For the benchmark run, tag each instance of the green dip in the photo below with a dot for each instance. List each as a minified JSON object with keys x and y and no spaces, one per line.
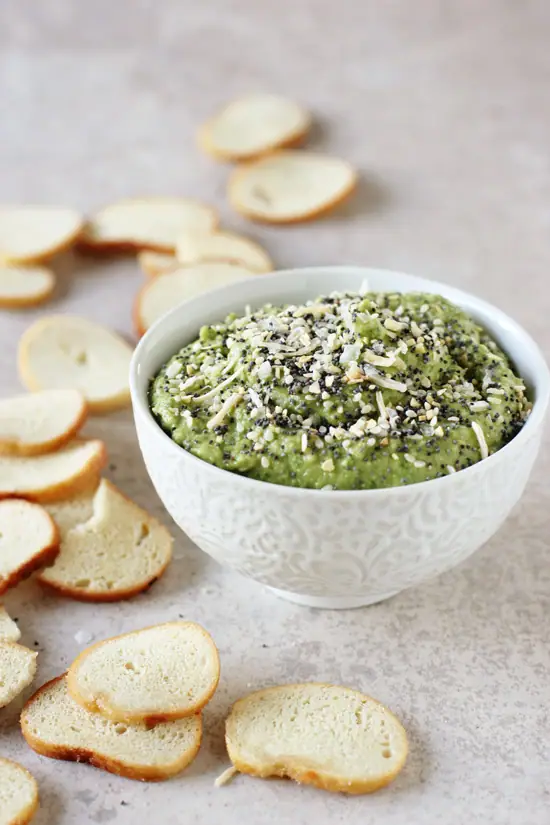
{"x":349,"y":392}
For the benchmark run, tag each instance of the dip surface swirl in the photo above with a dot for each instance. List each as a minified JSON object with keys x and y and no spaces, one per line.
{"x":348,"y":392}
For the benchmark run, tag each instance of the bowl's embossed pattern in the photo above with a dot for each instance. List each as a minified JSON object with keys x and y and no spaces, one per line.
{"x":359,"y":547}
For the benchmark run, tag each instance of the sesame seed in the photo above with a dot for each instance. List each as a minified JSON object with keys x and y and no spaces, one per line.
{"x":328,"y":466}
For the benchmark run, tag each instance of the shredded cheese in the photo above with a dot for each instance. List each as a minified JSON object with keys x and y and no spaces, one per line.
{"x":480,"y":435}
{"x":226,"y":777}
{"x":213,"y":392}
{"x":224,"y":410}
{"x":381,"y":405}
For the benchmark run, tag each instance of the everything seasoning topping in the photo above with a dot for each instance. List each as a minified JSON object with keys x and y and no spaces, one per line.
{"x":353,"y":391}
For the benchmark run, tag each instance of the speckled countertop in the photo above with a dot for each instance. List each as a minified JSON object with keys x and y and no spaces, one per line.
{"x":444,"y":106}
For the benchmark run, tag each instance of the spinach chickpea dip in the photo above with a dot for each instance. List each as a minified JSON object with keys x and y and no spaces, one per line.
{"x":352,"y":391}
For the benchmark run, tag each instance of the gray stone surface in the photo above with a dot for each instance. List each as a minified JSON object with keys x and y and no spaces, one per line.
{"x":444,"y":107}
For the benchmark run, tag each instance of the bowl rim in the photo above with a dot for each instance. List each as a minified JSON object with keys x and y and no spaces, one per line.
{"x":541,"y":386}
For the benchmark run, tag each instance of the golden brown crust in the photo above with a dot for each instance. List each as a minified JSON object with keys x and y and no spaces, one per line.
{"x":42,"y":558}
{"x":100,"y":706}
{"x":89,"y":246}
{"x":21,"y":449}
{"x":69,"y":487}
{"x":307,"y":775}
{"x":22,"y":302}
{"x":79,"y":594}
{"x":24,"y":816}
{"x":243,"y":168}
{"x":105,"y":763}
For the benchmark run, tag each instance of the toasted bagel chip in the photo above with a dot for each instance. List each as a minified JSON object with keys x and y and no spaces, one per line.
{"x":324,"y":735}
{"x":152,"y":223}
{"x":29,"y":234}
{"x":253,"y":125}
{"x":68,"y":352}
{"x":115,"y":552}
{"x":152,"y":675}
{"x":290,"y":187}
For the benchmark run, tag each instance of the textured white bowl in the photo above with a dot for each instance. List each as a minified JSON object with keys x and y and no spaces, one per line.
{"x":343,"y":548}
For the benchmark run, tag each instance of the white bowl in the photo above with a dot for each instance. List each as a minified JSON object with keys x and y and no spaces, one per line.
{"x":344,"y":548}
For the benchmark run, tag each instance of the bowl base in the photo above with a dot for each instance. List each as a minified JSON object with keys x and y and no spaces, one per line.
{"x":330,"y":602}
